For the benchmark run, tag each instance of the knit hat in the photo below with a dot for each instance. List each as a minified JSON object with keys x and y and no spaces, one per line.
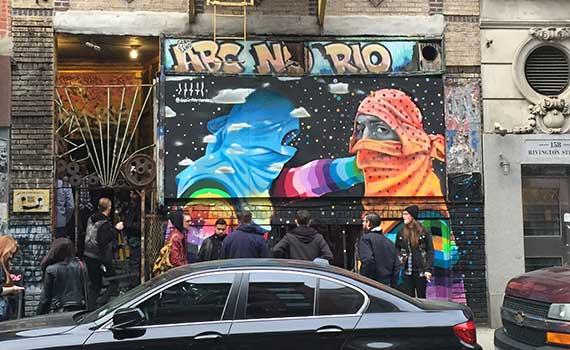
{"x":413,"y":210}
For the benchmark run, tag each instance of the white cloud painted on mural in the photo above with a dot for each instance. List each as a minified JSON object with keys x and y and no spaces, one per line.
{"x":186,"y":162}
{"x":299,"y":113}
{"x":169,"y":113}
{"x":235,"y":149}
{"x":339,"y":88}
{"x":276,"y":166}
{"x":178,"y":143}
{"x":225,"y":170}
{"x":238,"y":126}
{"x":209,"y":139}
{"x":232,"y":96}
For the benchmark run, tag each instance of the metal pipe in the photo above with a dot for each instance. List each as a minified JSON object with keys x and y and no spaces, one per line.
{"x":117,"y":131}
{"x":115,"y":171}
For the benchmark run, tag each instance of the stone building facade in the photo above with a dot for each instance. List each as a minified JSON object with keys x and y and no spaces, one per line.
{"x":525,"y":54}
{"x":36,"y":24}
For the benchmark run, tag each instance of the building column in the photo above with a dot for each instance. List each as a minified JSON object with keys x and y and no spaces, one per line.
{"x":31,"y":151}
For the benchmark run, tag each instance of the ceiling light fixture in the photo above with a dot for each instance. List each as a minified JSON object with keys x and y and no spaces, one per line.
{"x":134,"y":53}
{"x":93,"y":46}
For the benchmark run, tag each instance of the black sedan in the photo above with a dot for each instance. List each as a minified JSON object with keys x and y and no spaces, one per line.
{"x":253,"y":305}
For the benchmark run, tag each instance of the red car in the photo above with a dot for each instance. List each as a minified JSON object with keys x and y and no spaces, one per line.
{"x":536,"y":311}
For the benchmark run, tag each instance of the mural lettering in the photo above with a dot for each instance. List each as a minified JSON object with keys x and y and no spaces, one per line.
{"x":207,"y":56}
{"x":351,"y":59}
{"x":259,"y":57}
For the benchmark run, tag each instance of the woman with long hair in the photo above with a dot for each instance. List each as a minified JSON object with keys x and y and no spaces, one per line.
{"x":8,"y":249}
{"x":415,"y":245}
{"x":64,"y":279}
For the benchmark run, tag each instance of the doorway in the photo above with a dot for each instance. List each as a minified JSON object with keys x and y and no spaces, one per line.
{"x":546,"y":215}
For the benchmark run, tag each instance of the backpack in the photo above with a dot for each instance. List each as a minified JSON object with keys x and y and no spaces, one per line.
{"x":162,"y":263}
{"x":91,"y":242}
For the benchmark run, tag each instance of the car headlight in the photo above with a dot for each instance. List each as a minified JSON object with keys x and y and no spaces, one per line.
{"x":559,"y":312}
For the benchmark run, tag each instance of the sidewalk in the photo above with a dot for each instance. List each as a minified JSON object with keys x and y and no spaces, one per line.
{"x":485,"y":338}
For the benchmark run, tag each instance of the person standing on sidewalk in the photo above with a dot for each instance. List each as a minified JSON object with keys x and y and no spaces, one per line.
{"x":8,"y":249}
{"x":211,"y":248}
{"x":303,"y":242}
{"x":246,"y":242}
{"x":415,"y":245}
{"x":99,"y":241}
{"x":378,"y":255}
{"x":64,"y":279}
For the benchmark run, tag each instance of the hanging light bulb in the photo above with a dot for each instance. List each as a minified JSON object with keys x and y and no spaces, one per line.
{"x":134,"y":53}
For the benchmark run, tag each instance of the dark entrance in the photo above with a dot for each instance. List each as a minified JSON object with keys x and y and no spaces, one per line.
{"x":546,"y":215}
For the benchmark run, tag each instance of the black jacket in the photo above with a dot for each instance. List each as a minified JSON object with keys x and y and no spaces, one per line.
{"x":303,"y":243}
{"x":245,"y":242}
{"x":106,"y":237}
{"x":211,"y":248}
{"x":132,"y":220}
{"x":379,"y":258}
{"x":64,"y":286}
{"x":422,"y":256}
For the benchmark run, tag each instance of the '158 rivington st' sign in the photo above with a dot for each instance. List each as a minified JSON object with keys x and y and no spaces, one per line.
{"x":274,"y":57}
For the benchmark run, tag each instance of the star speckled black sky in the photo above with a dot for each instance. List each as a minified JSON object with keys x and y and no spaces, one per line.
{"x":325,"y":134}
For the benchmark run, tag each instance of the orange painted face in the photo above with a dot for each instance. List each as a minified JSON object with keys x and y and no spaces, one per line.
{"x":392,"y":148}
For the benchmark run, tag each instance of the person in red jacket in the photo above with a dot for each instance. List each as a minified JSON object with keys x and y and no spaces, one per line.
{"x":180,"y":224}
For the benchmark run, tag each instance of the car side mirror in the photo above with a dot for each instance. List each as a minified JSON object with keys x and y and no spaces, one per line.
{"x":124,"y":318}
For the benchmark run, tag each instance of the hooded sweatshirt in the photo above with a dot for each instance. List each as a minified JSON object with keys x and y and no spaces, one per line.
{"x":303,"y":243}
{"x":245,"y":242}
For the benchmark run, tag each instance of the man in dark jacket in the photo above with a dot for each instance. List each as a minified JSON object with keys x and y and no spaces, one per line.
{"x":211,"y":248}
{"x":303,"y":242}
{"x":99,"y":241}
{"x":246,"y":241}
{"x":377,"y":253}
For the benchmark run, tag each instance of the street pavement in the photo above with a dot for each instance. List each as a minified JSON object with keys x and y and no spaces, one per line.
{"x":485,"y":337}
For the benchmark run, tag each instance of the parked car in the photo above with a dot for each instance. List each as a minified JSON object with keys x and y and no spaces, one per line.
{"x":253,"y":304}
{"x":536,"y":311}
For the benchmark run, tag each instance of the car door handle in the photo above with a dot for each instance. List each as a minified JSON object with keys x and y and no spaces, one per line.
{"x":330,"y":330}
{"x":208,"y":336}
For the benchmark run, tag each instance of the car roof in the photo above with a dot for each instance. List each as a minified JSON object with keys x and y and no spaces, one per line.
{"x":261,"y":263}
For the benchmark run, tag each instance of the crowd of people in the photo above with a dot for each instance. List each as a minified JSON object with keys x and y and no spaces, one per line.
{"x":71,"y":284}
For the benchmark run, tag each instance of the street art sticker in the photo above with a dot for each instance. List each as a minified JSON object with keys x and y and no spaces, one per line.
{"x":463,"y":125}
{"x":288,"y":57}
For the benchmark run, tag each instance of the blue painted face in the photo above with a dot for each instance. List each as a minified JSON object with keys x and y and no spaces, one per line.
{"x":247,"y":148}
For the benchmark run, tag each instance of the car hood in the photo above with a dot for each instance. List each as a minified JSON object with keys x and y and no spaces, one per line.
{"x":550,"y":285}
{"x":37,"y":326}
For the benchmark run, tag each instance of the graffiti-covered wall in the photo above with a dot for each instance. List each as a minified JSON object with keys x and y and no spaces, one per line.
{"x":352,"y":126}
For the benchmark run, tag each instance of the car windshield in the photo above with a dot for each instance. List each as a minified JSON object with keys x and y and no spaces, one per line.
{"x":82,"y":317}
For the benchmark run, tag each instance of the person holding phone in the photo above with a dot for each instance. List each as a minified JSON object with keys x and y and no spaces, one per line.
{"x":8,"y":249}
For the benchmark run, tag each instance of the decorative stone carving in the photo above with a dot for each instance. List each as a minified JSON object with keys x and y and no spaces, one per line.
{"x":551,"y":116}
{"x":376,"y":3}
{"x":550,"y":34}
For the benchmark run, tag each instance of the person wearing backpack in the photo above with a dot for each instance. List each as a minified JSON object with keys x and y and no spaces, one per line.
{"x":174,"y":253}
{"x":100,"y":238}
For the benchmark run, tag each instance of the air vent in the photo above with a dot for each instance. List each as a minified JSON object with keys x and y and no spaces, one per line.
{"x":547,"y":70}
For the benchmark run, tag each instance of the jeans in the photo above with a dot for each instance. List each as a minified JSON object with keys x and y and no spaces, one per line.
{"x":413,"y":285}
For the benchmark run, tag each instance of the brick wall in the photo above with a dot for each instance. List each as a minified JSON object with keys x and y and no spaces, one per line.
{"x":461,"y":7}
{"x":462,"y":36}
{"x":31,"y":151}
{"x":467,"y":221}
{"x":386,"y":7}
{"x":4,"y":18}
